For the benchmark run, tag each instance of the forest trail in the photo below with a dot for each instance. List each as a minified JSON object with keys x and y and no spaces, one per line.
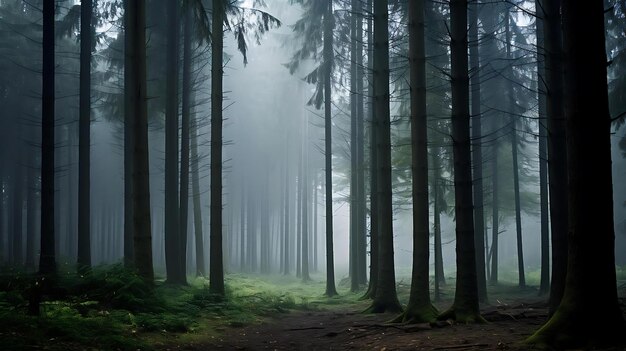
{"x":352,"y":330}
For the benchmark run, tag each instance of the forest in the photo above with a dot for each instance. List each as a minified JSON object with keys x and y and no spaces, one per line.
{"x":312,"y":174}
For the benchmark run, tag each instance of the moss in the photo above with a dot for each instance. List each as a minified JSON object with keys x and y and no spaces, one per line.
{"x":418,"y":314}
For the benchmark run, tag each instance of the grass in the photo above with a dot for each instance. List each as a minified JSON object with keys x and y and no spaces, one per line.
{"x":112,"y":308}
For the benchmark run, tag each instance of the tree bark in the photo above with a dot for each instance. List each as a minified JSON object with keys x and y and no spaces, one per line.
{"x":136,"y":56}
{"x":477,"y":153}
{"x":465,"y":308}
{"x":590,"y":288}
{"x":544,"y":287}
{"x":47,"y":260}
{"x":514,"y":153}
{"x":197,"y":204}
{"x":373,"y":283}
{"x":327,"y":65}
{"x":84,"y":137}
{"x":386,"y":299}
{"x":173,"y":222}
{"x":420,"y":308}
{"x":557,"y":150}
{"x":217,"y":74}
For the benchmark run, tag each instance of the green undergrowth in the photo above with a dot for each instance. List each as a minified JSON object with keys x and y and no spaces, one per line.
{"x":112,"y":308}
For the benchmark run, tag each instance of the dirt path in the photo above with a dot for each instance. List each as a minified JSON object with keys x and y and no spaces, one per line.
{"x":351,"y":330}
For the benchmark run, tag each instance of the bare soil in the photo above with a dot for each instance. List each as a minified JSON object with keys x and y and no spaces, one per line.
{"x":349,"y":329}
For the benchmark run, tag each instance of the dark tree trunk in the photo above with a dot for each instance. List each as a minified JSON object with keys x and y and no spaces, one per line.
{"x":18,"y":206}
{"x":360,"y":178}
{"x":47,"y":261}
{"x":287,"y":247}
{"x":184,"y":140}
{"x":305,"y":210}
{"x":173,"y":233}
{"x":465,"y":308}
{"x":242,"y":223}
{"x":386,"y":299}
{"x":31,"y":212}
{"x":477,"y":154}
{"x":514,"y":154}
{"x":84,"y":137}
{"x":590,"y":288}
{"x":420,"y":308}
{"x":495,"y":210}
{"x":299,"y":214}
{"x":216,"y":271}
{"x":557,"y":150}
{"x":544,"y":287}
{"x":328,"y":62}
{"x":354,"y":278}
{"x":440,"y":279}
{"x":129,"y":117}
{"x":136,"y":59}
{"x":197,"y":205}
{"x":373,"y":283}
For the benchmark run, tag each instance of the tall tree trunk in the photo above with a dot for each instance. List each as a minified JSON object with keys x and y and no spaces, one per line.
{"x":386,"y":299}
{"x":47,"y":261}
{"x":360,"y":178}
{"x":373,"y":283}
{"x":590,"y":288}
{"x":315,"y":220}
{"x":495,"y":210}
{"x":557,"y":150}
{"x":514,"y":153}
{"x":287,"y":247}
{"x":197,"y":205}
{"x":217,"y":75}
{"x":353,"y":257}
{"x":185,"y":135}
{"x":18,"y":205}
{"x":420,"y":308}
{"x":477,"y":154}
{"x":465,"y":308}
{"x":440,"y":279}
{"x":84,"y":137}
{"x":300,"y":215}
{"x":305,"y":202}
{"x":129,"y":117}
{"x":242,"y":223}
{"x":328,"y":63}
{"x":544,"y":287}
{"x":31,"y":212}
{"x":136,"y":59}
{"x":173,"y":222}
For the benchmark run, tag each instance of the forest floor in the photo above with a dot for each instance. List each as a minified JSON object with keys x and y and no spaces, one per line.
{"x":349,"y":329}
{"x":112,"y":309}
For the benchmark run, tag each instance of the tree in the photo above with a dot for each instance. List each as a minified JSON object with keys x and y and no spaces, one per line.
{"x":84,"y":137}
{"x":465,"y":308}
{"x":47,"y":261}
{"x":174,"y":262}
{"x":216,"y":267}
{"x":135,"y":13}
{"x":386,"y":298}
{"x":544,"y":287}
{"x":590,"y":292}
{"x":420,"y":308}
{"x":557,"y":150}
{"x":477,"y":154}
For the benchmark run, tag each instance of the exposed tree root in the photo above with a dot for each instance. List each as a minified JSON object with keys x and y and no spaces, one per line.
{"x":416,"y":315}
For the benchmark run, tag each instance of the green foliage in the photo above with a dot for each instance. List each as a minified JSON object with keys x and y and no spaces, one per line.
{"x":113,"y":308}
